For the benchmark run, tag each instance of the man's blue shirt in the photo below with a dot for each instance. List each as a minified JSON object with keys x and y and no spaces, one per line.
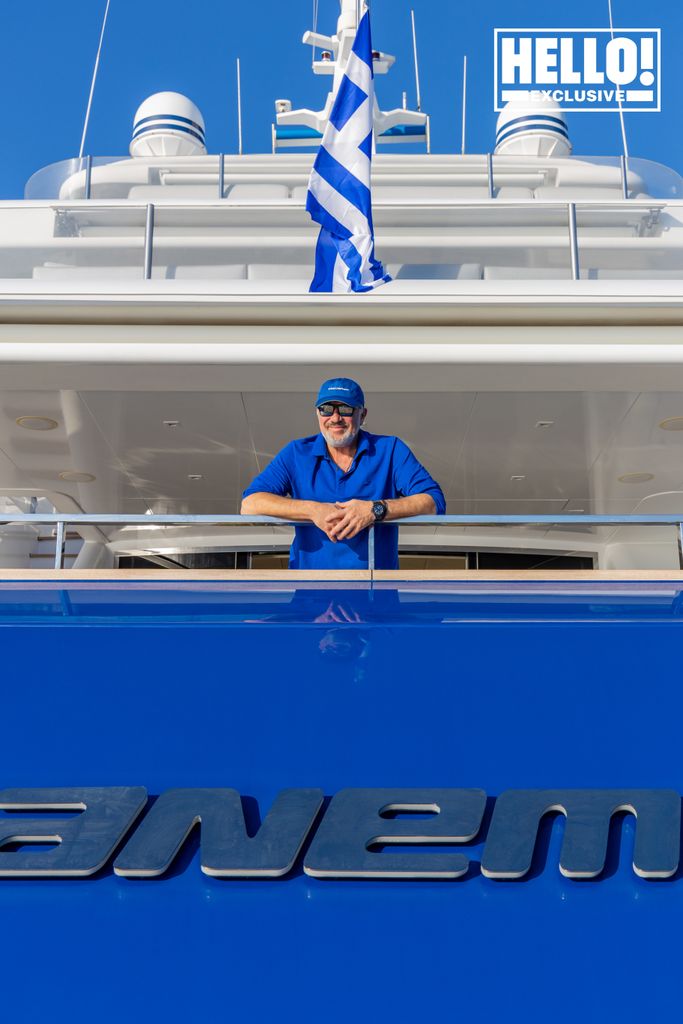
{"x":383,"y":467}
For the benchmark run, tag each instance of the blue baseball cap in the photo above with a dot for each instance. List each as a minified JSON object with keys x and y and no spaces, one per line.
{"x":341,"y":389}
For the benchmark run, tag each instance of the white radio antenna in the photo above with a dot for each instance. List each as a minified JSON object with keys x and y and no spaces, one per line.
{"x":315,"y":28}
{"x":621,"y":109}
{"x":464,"y":103}
{"x":239,"y":109}
{"x":417,"y":67}
{"x":94,"y":79}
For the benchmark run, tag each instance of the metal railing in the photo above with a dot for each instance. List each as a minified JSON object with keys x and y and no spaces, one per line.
{"x":570,"y":207}
{"x":568,"y":213}
{"x":63,"y":520}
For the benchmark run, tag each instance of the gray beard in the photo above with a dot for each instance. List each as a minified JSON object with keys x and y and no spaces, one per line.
{"x":344,"y":441}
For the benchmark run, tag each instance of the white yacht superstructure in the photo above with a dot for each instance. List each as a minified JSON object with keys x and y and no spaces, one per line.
{"x":158,"y":337}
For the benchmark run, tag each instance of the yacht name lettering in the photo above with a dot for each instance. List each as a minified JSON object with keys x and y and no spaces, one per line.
{"x":352,"y":839}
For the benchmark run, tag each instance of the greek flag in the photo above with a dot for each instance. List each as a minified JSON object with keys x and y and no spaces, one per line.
{"x":339,"y":197}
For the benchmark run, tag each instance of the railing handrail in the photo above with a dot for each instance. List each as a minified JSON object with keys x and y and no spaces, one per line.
{"x":63,"y":519}
{"x":466,"y":519}
{"x":288,"y":203}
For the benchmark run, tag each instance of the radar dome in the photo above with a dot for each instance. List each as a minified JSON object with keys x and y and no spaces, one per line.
{"x":168,"y":124}
{"x":532,"y":127}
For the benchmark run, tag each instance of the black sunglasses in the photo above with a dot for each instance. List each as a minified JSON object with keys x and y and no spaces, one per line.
{"x":327,"y":409}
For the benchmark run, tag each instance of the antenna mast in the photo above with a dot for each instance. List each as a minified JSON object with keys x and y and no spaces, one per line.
{"x":417,"y":67}
{"x":464,"y":103}
{"x":239,"y":109}
{"x":621,"y":109}
{"x":315,"y":29}
{"x":94,"y":79}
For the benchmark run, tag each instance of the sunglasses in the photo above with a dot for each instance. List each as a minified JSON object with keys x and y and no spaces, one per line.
{"x":327,"y":409}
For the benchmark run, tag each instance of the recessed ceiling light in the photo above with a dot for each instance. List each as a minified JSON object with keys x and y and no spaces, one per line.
{"x":171,"y":423}
{"x":574,"y":511}
{"x":36,"y":423}
{"x":195,"y":476}
{"x":518,"y":478}
{"x":75,"y":477}
{"x":672,"y":423}
{"x":545,"y":423}
{"x":635,"y":478}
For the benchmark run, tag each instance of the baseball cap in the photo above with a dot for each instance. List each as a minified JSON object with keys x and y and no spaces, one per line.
{"x":341,"y":389}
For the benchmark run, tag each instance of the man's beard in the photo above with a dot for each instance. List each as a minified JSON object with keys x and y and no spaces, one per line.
{"x":343,"y":440}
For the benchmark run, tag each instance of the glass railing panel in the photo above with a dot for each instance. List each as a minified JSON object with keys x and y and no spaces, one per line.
{"x":67,"y":179}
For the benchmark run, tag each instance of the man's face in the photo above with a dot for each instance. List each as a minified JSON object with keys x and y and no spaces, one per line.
{"x":340,"y":431}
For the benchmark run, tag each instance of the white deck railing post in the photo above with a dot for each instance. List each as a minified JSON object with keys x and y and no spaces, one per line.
{"x":149,"y":240}
{"x":573,"y":242}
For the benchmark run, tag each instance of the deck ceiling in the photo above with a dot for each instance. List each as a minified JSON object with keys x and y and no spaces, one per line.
{"x":474,"y":443}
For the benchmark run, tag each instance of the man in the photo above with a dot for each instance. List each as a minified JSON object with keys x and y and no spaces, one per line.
{"x":341,"y":481}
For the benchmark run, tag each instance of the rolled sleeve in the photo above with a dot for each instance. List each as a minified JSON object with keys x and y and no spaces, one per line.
{"x":411,"y":477}
{"x":276,"y":478}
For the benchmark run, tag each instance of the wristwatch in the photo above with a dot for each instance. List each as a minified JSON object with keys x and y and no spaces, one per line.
{"x":379,"y":510}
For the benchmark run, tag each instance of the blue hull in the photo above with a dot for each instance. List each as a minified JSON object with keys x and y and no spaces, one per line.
{"x":264,"y":687}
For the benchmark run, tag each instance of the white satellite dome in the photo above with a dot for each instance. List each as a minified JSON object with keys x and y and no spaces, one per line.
{"x":532,"y":127}
{"x":168,"y":124}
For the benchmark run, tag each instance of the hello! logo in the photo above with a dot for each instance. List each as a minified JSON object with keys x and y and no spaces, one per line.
{"x":581,"y":69}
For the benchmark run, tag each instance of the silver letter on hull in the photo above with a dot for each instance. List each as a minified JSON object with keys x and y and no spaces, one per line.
{"x":226,"y":849}
{"x":358,"y":819}
{"x":517,"y":816}
{"x":83,"y":844}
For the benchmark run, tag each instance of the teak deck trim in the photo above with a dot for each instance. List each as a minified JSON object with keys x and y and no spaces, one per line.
{"x":335,"y":575}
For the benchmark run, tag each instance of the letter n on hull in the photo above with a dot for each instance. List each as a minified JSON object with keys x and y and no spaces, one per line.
{"x":226,"y":849}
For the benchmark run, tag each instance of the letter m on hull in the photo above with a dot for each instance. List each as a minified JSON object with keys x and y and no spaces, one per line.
{"x":517,"y":817}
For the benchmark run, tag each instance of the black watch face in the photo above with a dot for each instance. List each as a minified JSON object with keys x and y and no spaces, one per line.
{"x":378,"y":510}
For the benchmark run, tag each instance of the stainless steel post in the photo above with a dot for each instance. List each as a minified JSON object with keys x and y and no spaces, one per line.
{"x":88,"y":176}
{"x":149,"y":240}
{"x":371,"y":548}
{"x":489,"y":172}
{"x":624,"y":176}
{"x":573,"y":242}
{"x":59,"y":545}
{"x":221,"y":175}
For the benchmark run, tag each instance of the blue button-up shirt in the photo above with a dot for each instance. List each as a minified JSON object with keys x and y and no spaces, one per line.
{"x":383,"y":467}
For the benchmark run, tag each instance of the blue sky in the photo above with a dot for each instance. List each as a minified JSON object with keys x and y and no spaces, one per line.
{"x":48,"y":49}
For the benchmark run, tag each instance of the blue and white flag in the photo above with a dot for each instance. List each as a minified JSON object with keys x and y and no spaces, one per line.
{"x":339,"y":196}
